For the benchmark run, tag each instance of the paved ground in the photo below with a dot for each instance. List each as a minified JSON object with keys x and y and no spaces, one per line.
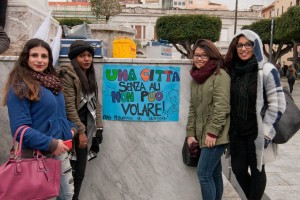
{"x":283,"y":174}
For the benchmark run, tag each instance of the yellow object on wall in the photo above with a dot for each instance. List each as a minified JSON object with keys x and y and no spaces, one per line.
{"x":124,"y":47}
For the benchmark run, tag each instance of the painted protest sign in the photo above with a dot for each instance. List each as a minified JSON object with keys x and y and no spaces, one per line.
{"x":140,"y":93}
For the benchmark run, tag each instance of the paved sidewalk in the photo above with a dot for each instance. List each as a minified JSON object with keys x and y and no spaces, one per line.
{"x":284,"y":173}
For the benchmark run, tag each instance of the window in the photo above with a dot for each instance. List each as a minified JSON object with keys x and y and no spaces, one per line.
{"x":179,"y":3}
{"x":224,"y":35}
{"x":282,"y":10}
{"x":190,"y":2}
{"x":138,"y":32}
{"x":291,"y":4}
{"x":277,"y":11}
{"x":183,"y":3}
{"x":175,"y":3}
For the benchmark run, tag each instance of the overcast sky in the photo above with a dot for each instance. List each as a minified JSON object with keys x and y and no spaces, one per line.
{"x":243,"y":4}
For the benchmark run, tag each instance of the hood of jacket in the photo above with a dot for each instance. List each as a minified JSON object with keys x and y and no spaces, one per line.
{"x":66,"y":69}
{"x":258,"y":46}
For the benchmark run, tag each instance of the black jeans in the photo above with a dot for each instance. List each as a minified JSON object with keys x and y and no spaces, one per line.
{"x":244,"y":156}
{"x":78,"y":167}
{"x":291,"y":84}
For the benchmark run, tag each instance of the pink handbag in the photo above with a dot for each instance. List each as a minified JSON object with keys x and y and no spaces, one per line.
{"x":29,"y":178}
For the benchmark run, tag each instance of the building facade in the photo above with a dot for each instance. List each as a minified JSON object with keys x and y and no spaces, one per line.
{"x":143,"y":19}
{"x":276,"y":9}
{"x":268,"y":11}
{"x":281,"y":6}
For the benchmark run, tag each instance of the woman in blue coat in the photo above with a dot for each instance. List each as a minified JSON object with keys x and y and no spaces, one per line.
{"x":33,"y":97}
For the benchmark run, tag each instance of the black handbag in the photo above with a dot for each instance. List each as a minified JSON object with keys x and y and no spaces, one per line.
{"x":289,"y":123}
{"x":190,"y":155}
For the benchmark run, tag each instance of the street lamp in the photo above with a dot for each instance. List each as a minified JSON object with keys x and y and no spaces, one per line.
{"x":271,"y":36}
{"x":235,"y":15}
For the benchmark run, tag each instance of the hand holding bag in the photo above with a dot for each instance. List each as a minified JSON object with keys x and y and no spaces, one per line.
{"x":34,"y":178}
{"x":190,"y":155}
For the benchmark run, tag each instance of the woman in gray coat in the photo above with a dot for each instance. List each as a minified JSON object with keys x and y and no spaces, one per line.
{"x":252,"y":78}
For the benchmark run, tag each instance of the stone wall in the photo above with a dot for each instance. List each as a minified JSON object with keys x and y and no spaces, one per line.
{"x":137,"y":160}
{"x":24,"y":17}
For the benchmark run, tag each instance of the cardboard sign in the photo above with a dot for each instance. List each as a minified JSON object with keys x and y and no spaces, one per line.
{"x":140,"y":93}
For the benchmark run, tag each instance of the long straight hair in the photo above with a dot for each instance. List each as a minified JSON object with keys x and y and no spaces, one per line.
{"x":88,"y":82}
{"x":20,"y":78}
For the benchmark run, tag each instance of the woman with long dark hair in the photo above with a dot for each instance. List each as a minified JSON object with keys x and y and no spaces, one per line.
{"x":33,"y":97}
{"x":83,"y":108}
{"x":254,"y":82}
{"x":208,"y":119}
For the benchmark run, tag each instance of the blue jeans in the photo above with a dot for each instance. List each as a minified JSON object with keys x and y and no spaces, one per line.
{"x":66,"y":180}
{"x":209,"y":171}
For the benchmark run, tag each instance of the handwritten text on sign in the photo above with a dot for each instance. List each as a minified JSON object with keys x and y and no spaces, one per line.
{"x":140,"y":93}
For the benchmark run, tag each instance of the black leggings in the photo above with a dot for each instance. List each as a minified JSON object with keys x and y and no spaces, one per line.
{"x":78,"y":167}
{"x":244,"y":156}
{"x":291,"y":84}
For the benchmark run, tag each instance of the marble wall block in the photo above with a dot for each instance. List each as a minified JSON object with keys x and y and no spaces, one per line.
{"x":142,"y":160}
{"x":23,"y":19}
{"x":6,"y":137}
{"x":137,"y":160}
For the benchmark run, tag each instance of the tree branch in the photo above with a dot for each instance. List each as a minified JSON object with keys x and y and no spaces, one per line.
{"x":178,"y":49}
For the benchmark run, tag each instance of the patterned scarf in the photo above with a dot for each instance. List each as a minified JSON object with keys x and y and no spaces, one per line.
{"x":201,"y":75}
{"x":89,"y":101}
{"x":49,"y":81}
